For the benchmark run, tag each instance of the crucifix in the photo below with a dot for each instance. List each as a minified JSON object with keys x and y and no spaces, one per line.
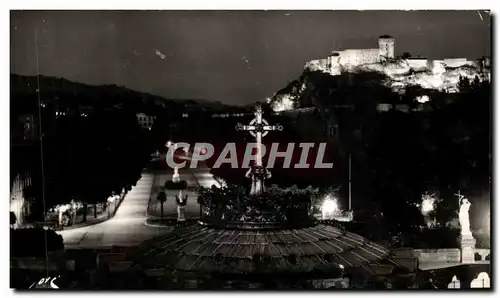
{"x":460,"y":197}
{"x":258,"y":128}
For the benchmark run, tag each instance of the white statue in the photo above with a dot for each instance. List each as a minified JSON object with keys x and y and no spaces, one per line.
{"x":463,"y":217}
{"x":257,"y":175}
{"x":175,"y":177}
{"x":181,"y":206}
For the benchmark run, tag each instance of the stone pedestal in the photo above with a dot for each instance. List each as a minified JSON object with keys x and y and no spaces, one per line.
{"x":180,"y":216}
{"x":467,"y":245}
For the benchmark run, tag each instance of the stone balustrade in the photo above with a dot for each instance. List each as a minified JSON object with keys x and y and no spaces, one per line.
{"x":448,"y":255}
{"x":483,"y":252}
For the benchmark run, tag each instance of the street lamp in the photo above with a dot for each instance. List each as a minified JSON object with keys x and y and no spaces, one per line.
{"x":427,"y":205}
{"x":329,"y":207}
{"x":110,"y":200}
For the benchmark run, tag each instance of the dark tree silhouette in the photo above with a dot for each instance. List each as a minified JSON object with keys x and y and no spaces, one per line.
{"x":397,"y":156}
{"x":162,"y":198}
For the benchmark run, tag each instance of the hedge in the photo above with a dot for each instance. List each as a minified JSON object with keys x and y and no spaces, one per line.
{"x":181,"y":185}
{"x":31,"y":242}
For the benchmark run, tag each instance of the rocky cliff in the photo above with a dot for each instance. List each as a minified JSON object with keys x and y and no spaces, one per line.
{"x":398,"y":75}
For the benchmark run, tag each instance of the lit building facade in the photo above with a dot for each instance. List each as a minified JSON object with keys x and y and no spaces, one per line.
{"x":145,"y":121}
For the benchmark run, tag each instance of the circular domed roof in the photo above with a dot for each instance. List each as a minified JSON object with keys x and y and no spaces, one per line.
{"x":201,"y":249}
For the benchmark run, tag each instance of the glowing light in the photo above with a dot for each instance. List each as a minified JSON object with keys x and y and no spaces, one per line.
{"x":329,"y":205}
{"x":428,"y":204}
{"x":423,"y":99}
{"x":113,"y":198}
{"x":169,"y":143}
{"x":160,"y":54}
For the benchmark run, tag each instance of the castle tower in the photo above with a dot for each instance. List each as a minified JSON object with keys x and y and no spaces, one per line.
{"x":386,"y":46}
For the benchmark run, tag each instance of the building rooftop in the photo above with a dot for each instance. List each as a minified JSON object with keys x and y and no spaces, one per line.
{"x":210,"y":250}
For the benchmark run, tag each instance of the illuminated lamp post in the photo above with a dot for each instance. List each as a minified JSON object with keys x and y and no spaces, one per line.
{"x":329,"y":208}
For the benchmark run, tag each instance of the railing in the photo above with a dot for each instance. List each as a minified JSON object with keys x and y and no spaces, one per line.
{"x":484,"y":253}
{"x":448,"y":255}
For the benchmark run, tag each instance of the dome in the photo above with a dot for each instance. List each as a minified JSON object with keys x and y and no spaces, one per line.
{"x":208,"y":250}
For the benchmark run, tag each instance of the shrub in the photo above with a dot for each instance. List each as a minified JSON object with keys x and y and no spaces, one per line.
{"x":181,"y":185}
{"x":277,"y":205}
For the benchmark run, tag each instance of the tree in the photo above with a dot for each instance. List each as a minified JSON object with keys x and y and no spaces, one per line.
{"x":406,"y":55}
{"x":395,"y":157}
{"x":84,"y":158}
{"x":162,"y":198}
{"x":13,"y":218}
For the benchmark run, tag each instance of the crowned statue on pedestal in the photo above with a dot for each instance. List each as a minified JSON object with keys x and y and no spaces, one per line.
{"x":181,"y":201}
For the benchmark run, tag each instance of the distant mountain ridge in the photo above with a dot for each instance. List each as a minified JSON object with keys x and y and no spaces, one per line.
{"x":25,"y":85}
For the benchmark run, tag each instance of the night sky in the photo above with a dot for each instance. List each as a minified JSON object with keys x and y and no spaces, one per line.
{"x":236,"y":57}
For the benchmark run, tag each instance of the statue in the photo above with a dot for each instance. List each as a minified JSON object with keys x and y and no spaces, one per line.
{"x":181,"y":205}
{"x":175,"y":177}
{"x":176,"y":182}
{"x":463,"y":217}
{"x":258,"y":175}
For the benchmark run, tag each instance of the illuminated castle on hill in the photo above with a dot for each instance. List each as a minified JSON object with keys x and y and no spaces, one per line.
{"x":403,"y":71}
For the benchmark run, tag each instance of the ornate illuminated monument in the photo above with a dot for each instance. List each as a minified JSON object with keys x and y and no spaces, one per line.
{"x":231,"y":207}
{"x":181,"y":201}
{"x":262,"y":238}
{"x":176,"y":182}
{"x":258,"y":128}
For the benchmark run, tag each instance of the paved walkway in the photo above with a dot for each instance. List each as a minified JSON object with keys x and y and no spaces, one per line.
{"x":194,"y":178}
{"x":126,"y":228}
